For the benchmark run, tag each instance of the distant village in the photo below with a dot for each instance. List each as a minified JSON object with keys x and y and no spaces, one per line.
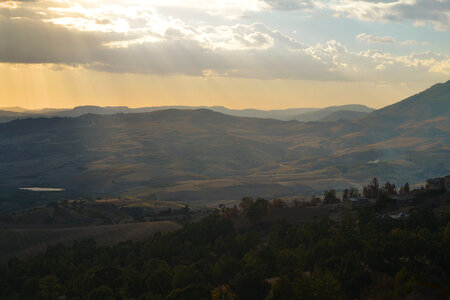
{"x":403,"y":197}
{"x":386,"y":199}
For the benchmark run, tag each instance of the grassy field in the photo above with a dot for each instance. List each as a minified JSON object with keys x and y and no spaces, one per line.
{"x":24,"y":243}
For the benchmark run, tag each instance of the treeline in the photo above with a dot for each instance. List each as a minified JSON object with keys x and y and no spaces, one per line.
{"x":373,"y":190}
{"x":361,"y":258}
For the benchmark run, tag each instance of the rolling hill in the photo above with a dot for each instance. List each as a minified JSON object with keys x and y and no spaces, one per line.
{"x":343,"y":115}
{"x":342,"y":111}
{"x":431,"y":103}
{"x":201,"y":156}
{"x":300,"y":114}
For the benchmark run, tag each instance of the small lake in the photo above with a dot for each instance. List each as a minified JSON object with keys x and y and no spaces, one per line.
{"x":40,"y":189}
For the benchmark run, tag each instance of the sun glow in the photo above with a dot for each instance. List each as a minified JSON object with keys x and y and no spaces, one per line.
{"x":255,"y":53}
{"x":72,"y":86}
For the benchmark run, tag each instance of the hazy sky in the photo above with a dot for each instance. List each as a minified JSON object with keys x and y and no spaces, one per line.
{"x":255,"y":53}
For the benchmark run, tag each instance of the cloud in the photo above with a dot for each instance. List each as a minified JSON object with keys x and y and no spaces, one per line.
{"x":241,"y":50}
{"x":372,"y":39}
{"x":34,"y":41}
{"x":413,"y":42}
{"x":435,"y":12}
{"x":287,"y":4}
{"x":139,"y":39}
{"x":420,"y":63}
{"x":368,"y":38}
{"x":442,"y":66}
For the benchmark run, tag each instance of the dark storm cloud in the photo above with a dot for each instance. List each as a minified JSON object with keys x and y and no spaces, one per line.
{"x":33,"y":41}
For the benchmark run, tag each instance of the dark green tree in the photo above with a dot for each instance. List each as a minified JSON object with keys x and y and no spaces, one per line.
{"x":101,"y":293}
{"x":50,"y":288}
{"x":329,"y":197}
{"x":258,"y":209}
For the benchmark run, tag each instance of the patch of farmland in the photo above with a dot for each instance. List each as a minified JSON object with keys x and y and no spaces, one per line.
{"x":24,"y":243}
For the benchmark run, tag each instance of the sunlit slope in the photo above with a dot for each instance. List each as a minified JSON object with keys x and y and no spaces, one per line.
{"x":431,"y":103}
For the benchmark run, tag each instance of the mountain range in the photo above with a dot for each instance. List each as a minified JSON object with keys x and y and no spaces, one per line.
{"x":300,"y":114}
{"x":201,"y":156}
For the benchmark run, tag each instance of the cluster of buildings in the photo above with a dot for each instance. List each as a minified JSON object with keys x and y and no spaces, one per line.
{"x":438,"y":183}
{"x":354,"y":203}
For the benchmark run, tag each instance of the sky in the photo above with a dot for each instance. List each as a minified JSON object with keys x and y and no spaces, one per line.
{"x":266,"y":54}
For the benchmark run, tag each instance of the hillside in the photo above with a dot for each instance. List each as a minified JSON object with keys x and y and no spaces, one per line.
{"x":343,"y":115}
{"x":339,"y":112}
{"x":12,"y":113}
{"x":431,"y":103}
{"x":6,"y":115}
{"x":201,"y":156}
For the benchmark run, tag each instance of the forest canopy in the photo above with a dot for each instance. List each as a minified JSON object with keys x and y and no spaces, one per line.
{"x":355,"y":258}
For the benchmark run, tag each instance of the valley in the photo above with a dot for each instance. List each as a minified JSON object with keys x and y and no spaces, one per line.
{"x":202,"y":157}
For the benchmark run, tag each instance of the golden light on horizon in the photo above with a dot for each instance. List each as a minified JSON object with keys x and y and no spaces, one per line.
{"x":210,"y":52}
{"x":38,"y":86}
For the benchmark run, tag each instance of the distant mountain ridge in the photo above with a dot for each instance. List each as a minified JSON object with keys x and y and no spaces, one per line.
{"x":343,"y":115}
{"x":431,"y":103}
{"x":204,"y":156}
{"x":324,"y":113}
{"x":299,"y":114}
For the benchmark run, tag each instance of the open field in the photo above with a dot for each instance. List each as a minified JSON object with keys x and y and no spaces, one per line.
{"x":23,"y":243}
